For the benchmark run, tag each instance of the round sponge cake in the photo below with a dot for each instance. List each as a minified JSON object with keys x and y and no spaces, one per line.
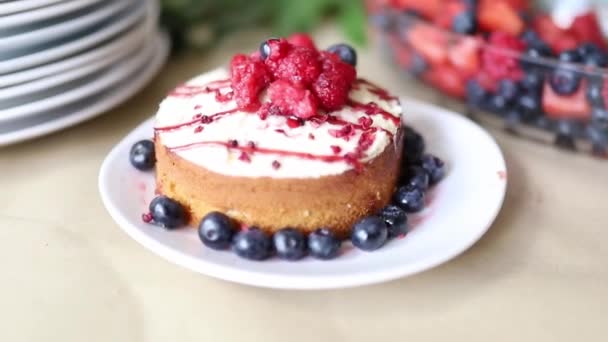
{"x":276,"y":171}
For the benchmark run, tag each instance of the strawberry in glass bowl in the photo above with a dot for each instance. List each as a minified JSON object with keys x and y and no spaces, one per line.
{"x":507,"y":62}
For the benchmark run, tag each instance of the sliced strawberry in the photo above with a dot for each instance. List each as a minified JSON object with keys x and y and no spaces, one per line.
{"x":564,"y":42}
{"x":587,"y":29}
{"x":573,"y":106}
{"x":447,"y":79}
{"x":498,"y":15}
{"x":430,"y":42}
{"x":449,"y":10}
{"x":547,"y":30}
{"x":428,"y":8}
{"x":464,"y":54}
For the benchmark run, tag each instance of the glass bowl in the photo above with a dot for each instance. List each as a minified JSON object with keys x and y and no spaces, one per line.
{"x":544,"y":99}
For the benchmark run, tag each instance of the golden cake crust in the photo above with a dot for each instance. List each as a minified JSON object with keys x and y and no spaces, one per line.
{"x":334,"y":202}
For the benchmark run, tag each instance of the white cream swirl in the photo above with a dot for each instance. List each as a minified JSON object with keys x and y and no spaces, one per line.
{"x":194,"y":141}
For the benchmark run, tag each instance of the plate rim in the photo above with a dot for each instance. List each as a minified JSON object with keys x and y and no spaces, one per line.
{"x":25,"y":5}
{"x":117,"y":96}
{"x":147,"y":14}
{"x":43,"y":13}
{"x":243,"y":276}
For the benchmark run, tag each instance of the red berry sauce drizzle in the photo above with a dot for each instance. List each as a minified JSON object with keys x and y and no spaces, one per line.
{"x":304,"y":85}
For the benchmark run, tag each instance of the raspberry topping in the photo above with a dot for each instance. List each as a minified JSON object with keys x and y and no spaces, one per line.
{"x":249,"y":78}
{"x":299,"y":78}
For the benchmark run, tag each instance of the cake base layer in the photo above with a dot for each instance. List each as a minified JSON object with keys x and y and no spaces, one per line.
{"x":334,"y":202}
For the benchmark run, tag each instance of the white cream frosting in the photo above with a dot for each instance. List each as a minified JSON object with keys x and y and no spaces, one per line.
{"x":245,"y":127}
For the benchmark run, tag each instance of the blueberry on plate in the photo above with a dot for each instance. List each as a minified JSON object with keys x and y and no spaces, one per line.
{"x":369,"y":233}
{"x":409,"y":198}
{"x":564,"y":81}
{"x":142,"y":155}
{"x":265,"y":48}
{"x":499,"y":104}
{"x":465,"y":22}
{"x":592,"y":55}
{"x":346,"y":53}
{"x":529,"y":104}
{"x":323,"y":244}
{"x":565,"y":135}
{"x":434,"y":167}
{"x":413,"y":145}
{"x":216,"y":230}
{"x":167,"y":212}
{"x":395,"y":219}
{"x":289,"y":244}
{"x":417,"y":177}
{"x":252,"y":244}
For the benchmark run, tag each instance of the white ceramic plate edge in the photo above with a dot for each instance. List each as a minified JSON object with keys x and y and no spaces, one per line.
{"x":120,"y":94}
{"x":44,"y":13}
{"x":244,"y":276}
{"x":24,"y":5}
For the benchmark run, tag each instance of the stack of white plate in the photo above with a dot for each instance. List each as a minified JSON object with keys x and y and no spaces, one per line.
{"x":65,"y":61}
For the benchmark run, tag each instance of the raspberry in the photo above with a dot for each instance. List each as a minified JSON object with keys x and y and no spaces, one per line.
{"x":334,"y":82}
{"x":249,"y":78}
{"x":299,"y":66}
{"x":301,"y":39}
{"x":292,"y":99}
{"x":500,"y":58}
{"x":279,"y":48}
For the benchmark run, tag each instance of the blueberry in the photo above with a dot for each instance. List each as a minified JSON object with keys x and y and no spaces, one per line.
{"x":413,"y":145}
{"x":369,"y":233}
{"x":594,"y":92}
{"x":167,"y":212}
{"x":409,"y":199}
{"x":290,"y":244}
{"x":592,"y":55}
{"x":465,"y":22}
{"x":564,"y":81}
{"x":570,"y":56}
{"x":599,"y":116}
{"x":216,"y":230}
{"x":265,"y":48}
{"x":322,"y":244}
{"x":142,"y":155}
{"x":529,"y":104}
{"x":499,"y":104}
{"x":565,"y":135}
{"x":417,"y":177}
{"x":531,"y":38}
{"x":539,"y":50}
{"x":418,"y":65}
{"x":252,"y":244}
{"x":508,"y":89}
{"x":533,"y":81}
{"x":543,"y":122}
{"x":476,"y":94}
{"x":346,"y":53}
{"x":512,"y":119}
{"x":395,"y":219}
{"x":434,"y":167}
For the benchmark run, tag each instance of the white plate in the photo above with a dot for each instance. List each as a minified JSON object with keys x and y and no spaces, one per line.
{"x":10,"y":96}
{"x":104,"y":51}
{"x":28,"y":18}
{"x":50,"y":54}
{"x":97,"y":17}
{"x":24,"y":5}
{"x":89,"y":107}
{"x":463,"y":207}
{"x":75,"y":91}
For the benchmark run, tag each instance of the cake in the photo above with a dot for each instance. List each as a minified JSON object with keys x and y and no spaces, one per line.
{"x":284,"y":137}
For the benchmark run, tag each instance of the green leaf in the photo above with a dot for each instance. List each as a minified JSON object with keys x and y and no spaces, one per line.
{"x":352,"y":18}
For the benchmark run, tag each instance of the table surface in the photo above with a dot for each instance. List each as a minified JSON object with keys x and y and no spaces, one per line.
{"x":70,"y":274}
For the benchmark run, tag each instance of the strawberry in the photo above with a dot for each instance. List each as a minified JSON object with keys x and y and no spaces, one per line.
{"x":519,"y":5}
{"x":447,"y":79}
{"x":587,"y":29}
{"x":464,"y":54}
{"x":428,"y":8}
{"x":498,"y":15}
{"x":547,"y":30}
{"x":449,"y":10}
{"x":564,"y":42}
{"x":499,"y":56}
{"x":430,"y":42}
{"x":573,"y":106}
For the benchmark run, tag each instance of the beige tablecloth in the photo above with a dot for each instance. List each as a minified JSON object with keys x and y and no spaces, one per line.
{"x":68,"y":273}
